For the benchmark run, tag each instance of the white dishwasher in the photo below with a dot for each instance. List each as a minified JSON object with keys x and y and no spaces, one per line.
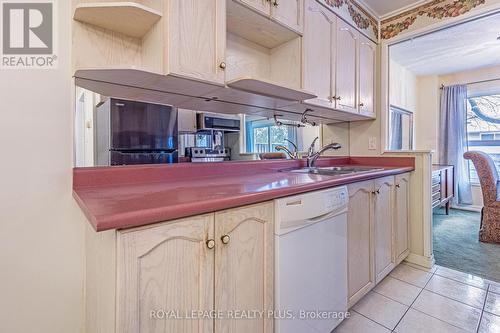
{"x":311,"y":261}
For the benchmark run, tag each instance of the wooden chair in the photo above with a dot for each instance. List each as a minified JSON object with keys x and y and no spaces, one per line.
{"x":490,"y":185}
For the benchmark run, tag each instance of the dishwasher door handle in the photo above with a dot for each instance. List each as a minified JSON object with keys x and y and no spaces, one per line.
{"x":326,"y":216}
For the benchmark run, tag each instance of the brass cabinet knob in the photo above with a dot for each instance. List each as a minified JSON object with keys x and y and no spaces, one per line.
{"x":222,"y":65}
{"x":275,"y":3}
{"x":225,"y":239}
{"x":376,"y":192}
{"x":361,"y":104}
{"x":398,"y":186}
{"x":210,"y":244}
{"x":338,"y":98}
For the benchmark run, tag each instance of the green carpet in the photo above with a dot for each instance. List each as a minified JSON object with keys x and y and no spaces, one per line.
{"x":456,"y":245}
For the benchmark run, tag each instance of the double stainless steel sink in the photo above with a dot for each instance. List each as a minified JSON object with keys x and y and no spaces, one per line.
{"x":334,"y":171}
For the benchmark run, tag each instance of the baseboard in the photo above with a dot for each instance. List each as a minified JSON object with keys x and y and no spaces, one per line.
{"x":427,"y":262}
{"x":471,"y":208}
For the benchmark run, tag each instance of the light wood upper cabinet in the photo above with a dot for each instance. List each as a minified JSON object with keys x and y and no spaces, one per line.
{"x":197,"y":35}
{"x":402,"y":217}
{"x":383,"y":220}
{"x":366,"y":86}
{"x":165,"y":267}
{"x":318,"y":52}
{"x":346,"y":67}
{"x":288,"y":13}
{"x":244,"y":267}
{"x":361,"y":276}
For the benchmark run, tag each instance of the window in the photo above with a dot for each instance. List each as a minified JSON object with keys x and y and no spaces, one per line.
{"x":483,"y":127}
{"x":262,"y":136}
{"x":401,"y":129}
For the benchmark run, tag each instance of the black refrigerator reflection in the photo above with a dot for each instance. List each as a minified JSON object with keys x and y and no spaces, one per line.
{"x":129,"y":132}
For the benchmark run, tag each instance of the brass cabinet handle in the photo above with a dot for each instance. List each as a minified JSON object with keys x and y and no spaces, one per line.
{"x":338,"y":98}
{"x":225,"y":239}
{"x":376,"y":192}
{"x":210,"y":244}
{"x":361,"y":104}
{"x":275,"y":3}
{"x":398,"y":186}
{"x":222,"y":65}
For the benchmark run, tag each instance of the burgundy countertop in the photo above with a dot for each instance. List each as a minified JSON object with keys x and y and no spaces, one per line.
{"x":125,"y":197}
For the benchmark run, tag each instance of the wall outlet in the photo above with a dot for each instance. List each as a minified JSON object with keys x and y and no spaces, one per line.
{"x":372,"y":143}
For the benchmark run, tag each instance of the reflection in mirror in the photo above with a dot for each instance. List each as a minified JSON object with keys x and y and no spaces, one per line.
{"x":400,"y":129}
{"x":111,"y":131}
{"x":263,"y":135}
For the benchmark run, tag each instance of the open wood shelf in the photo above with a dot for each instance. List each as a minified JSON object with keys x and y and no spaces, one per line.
{"x":265,"y":88}
{"x":129,"y":18}
{"x":264,"y":99}
{"x":326,"y":112}
{"x":256,"y":28}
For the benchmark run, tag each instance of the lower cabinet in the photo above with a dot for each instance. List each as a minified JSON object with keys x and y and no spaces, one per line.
{"x":402,"y":217}
{"x":360,"y":251}
{"x":383,"y":198}
{"x":166,"y":268}
{"x":194,"y":266}
{"x":378,"y":231}
{"x":174,"y":276}
{"x":244,"y":267}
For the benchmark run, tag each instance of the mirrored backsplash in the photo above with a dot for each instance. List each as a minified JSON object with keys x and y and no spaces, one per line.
{"x":111,"y":132}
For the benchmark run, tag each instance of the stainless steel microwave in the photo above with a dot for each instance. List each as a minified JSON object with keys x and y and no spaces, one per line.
{"x":220,"y":122}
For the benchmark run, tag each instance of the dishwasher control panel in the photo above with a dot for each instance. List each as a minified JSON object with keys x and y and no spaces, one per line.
{"x":336,"y":198}
{"x":311,"y":207}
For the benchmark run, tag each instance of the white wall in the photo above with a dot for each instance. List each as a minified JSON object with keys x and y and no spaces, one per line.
{"x":338,"y":133}
{"x":402,"y":87}
{"x":427,"y":114}
{"x":41,"y":227}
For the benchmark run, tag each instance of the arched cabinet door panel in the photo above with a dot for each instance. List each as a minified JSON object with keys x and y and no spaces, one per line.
{"x":244,"y":266}
{"x":166,"y":267}
{"x":346,"y":67}
{"x":318,"y":51}
{"x":384,"y":230}
{"x":361,"y":276}
{"x":367,"y":63}
{"x":402,"y":217}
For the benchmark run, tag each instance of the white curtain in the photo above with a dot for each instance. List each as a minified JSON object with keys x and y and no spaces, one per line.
{"x":396,"y":133}
{"x":453,"y":140}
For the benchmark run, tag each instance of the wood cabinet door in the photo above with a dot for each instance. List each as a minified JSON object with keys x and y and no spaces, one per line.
{"x":244,"y":267}
{"x":262,"y":6}
{"x":288,"y":13}
{"x":318,"y":52}
{"x":197,"y":39}
{"x":361,"y":275}
{"x":402,"y":217}
{"x":366,"y":83}
{"x":345,"y":67}
{"x":383,"y":221}
{"x":165,"y":268}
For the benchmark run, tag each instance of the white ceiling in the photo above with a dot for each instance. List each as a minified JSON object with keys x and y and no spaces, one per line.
{"x":383,"y":7}
{"x":467,"y":46}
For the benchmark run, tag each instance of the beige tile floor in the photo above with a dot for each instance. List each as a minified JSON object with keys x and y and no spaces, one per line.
{"x":413,"y":299}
